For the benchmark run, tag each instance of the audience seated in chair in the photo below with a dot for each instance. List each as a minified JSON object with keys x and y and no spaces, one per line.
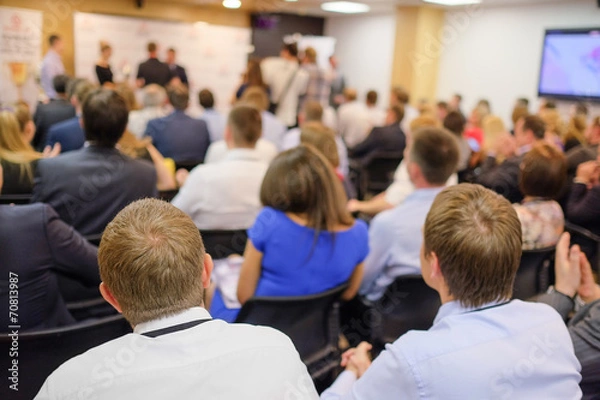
{"x":88,"y":187}
{"x":179,"y":136}
{"x":215,"y":121}
{"x":384,"y":138}
{"x":304,"y":241}
{"x":583,"y":204}
{"x":585,"y":152}
{"x":272,"y":129}
{"x":481,"y":342}
{"x":394,"y":240}
{"x":69,"y":133}
{"x":455,"y":123}
{"x":154,"y":99}
{"x":225,"y":195}
{"x":154,"y":271}
{"x":542,"y":177}
{"x":58,"y":249}
{"x":353,"y":119}
{"x":313,"y":112}
{"x":377,"y":115}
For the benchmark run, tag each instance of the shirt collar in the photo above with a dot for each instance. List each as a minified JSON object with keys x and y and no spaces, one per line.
{"x":524,"y":149}
{"x":455,"y":308}
{"x":242,"y":154}
{"x":188,"y":315}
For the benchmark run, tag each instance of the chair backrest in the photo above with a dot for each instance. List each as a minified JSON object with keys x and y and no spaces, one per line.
{"x":40,"y":353}
{"x":407,"y":304}
{"x":188,"y":165}
{"x":94,"y":239}
{"x":533,"y":275}
{"x":588,"y":241}
{"x":167,"y":195}
{"x":15,"y":199}
{"x":312,"y":322}
{"x":378,"y":171}
{"x":222,"y":244}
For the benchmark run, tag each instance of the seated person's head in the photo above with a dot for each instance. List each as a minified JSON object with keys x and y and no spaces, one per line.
{"x":105,"y":115}
{"x":206,"y":99}
{"x":399,"y":95}
{"x":371,"y":98}
{"x":432,"y":157}
{"x":126,"y":91}
{"x":350,"y":94}
{"x":529,"y":129}
{"x":423,"y":121}
{"x":244,"y":127}
{"x":301,"y":181}
{"x":543,"y":172}
{"x":455,"y":123}
{"x":60,"y":83}
{"x":395,"y":114}
{"x":154,"y":95}
{"x":592,"y":133}
{"x":257,"y":97}
{"x":321,"y":138}
{"x":152,"y":262}
{"x":81,"y":91}
{"x":471,"y":246}
{"x":179,"y":96}
{"x":26,"y":125}
{"x":312,"y":112}
{"x":518,"y":113}
{"x":493,"y":129}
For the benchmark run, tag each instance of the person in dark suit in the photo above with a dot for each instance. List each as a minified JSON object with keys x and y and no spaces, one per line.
{"x":583,"y":204}
{"x":58,"y":249}
{"x":153,"y":70}
{"x":88,"y":187}
{"x":574,"y":278}
{"x":386,"y":138}
{"x":69,"y":133}
{"x":179,"y":136}
{"x":56,"y":110}
{"x":503,"y":178}
{"x":176,"y":70}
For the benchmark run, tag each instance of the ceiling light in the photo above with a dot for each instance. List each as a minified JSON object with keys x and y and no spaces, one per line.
{"x":232,"y":3}
{"x":345,"y":7}
{"x":453,"y":2}
{"x":290,"y":1}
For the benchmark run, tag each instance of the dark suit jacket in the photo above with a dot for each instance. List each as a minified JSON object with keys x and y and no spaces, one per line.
{"x":584,"y":329}
{"x":583,"y":207}
{"x":35,"y":244}
{"x":15,"y":182}
{"x":88,"y":187}
{"x":179,"y":71}
{"x":46,"y":115}
{"x":68,"y":133}
{"x":154,"y":71}
{"x":578,"y":155}
{"x":179,"y":137}
{"x":385,"y":138}
{"x":503,"y":178}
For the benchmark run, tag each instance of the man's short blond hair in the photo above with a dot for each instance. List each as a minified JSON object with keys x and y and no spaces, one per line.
{"x":151,"y":258}
{"x":476,"y":235}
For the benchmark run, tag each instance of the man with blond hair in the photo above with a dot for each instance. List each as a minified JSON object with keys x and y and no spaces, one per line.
{"x":482,"y":345}
{"x":154,"y":271}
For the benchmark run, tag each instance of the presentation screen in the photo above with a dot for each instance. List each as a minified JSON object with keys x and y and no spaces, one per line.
{"x":570,"y":66}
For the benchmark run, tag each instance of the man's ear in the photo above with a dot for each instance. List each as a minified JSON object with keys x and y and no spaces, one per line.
{"x":208,"y":268}
{"x":434,"y":264}
{"x":108,"y":296}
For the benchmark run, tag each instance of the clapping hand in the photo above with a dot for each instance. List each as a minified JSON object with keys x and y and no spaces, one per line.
{"x":357,"y":359}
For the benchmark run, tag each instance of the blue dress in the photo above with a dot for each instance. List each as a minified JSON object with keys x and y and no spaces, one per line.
{"x":294,"y":264}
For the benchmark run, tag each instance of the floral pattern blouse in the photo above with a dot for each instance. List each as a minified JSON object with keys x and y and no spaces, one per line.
{"x":542,"y":223}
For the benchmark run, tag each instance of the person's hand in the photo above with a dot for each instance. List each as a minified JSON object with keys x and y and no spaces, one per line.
{"x":181,"y":176}
{"x":588,"y":172}
{"x":353,"y":206}
{"x":567,"y":269}
{"x":50,"y":152}
{"x":588,"y":289}
{"x":357,"y":360}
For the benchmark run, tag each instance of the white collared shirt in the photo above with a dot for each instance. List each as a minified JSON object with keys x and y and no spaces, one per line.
{"x":218,"y":150}
{"x":224,"y":195}
{"x":138,"y":119}
{"x":213,"y":360}
{"x":353,"y":122}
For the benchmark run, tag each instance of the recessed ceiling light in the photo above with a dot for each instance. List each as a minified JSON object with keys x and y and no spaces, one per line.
{"x":232,"y":3}
{"x":453,"y":2}
{"x":290,"y":1}
{"x":345,"y":7}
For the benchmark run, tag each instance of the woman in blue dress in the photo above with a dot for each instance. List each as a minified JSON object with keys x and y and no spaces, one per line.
{"x":303,"y":241}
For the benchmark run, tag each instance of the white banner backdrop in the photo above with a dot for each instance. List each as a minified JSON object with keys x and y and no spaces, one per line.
{"x":20,"y":47}
{"x":214,"y":56}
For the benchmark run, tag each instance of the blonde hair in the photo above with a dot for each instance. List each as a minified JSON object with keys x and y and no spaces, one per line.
{"x":321,"y":138}
{"x":132,"y":146}
{"x":424,"y":121}
{"x":576,"y":129}
{"x":13,"y":147}
{"x":151,"y":258}
{"x":553,"y":121}
{"x":493,"y":128}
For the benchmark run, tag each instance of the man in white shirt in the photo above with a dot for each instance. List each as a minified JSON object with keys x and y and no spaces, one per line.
{"x":377,"y":116}
{"x":287,"y":82}
{"x":272,"y":129}
{"x":353,"y":119}
{"x":400,"y":96}
{"x":225,"y":195}
{"x":154,"y":271}
{"x":154,"y":99}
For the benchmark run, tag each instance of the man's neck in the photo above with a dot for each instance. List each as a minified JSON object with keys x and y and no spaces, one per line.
{"x":423,"y":184}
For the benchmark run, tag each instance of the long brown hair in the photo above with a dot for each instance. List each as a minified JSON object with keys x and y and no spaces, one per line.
{"x":302,"y":181}
{"x":254,"y":74}
{"x":13,"y":147}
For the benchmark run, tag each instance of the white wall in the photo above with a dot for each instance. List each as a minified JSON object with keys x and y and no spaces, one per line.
{"x":365,"y":49}
{"x":497,"y":52}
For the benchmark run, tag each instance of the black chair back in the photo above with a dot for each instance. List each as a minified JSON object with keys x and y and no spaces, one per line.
{"x":588,"y":241}
{"x":15,"y":199}
{"x":378,"y":172}
{"x":187,"y":165}
{"x":167,"y":195}
{"x":533,"y":275}
{"x":312,"y":322}
{"x":40,"y":353}
{"x":407,"y":304}
{"x":222,"y":244}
